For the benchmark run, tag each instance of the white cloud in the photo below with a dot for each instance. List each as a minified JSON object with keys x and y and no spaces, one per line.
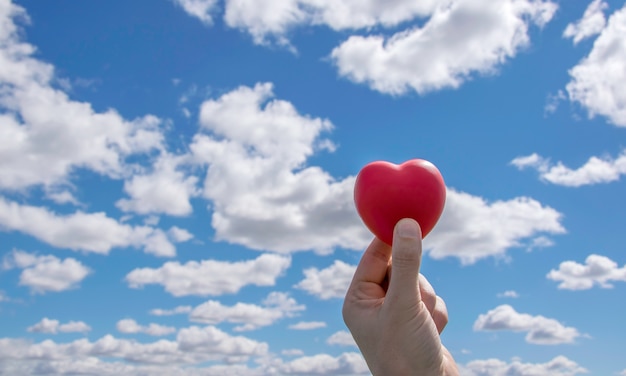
{"x":307,"y":325}
{"x":263,"y":19}
{"x":461,"y":38}
{"x":96,"y":367}
{"x":270,"y":21}
{"x":46,"y":273}
{"x":597,"y":81}
{"x":532,"y":160}
{"x":130,"y":326}
{"x":592,"y":22}
{"x":166,"y":189}
{"x":62,"y":197}
{"x":292,"y":352}
{"x":54,"y":326}
{"x":210,"y":277}
{"x":201,"y":9}
{"x":44,"y":135}
{"x":195,"y":352}
{"x":264,"y":196}
{"x":553,"y":101}
{"x":324,"y":364}
{"x":179,"y":235}
{"x":275,"y":307}
{"x":559,"y":366}
{"x":331,"y":282}
{"x":210,"y":340}
{"x":597,"y":270}
{"x":359,"y":14}
{"x":540,"y":330}
{"x":508,"y":294}
{"x":540,"y":242}
{"x":341,"y":338}
{"x":170,"y":312}
{"x":90,"y":232}
{"x":471,"y":228}
{"x":192,"y":345}
{"x":595,"y":171}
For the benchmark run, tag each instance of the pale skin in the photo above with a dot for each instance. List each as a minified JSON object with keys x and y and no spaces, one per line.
{"x":393,"y":312}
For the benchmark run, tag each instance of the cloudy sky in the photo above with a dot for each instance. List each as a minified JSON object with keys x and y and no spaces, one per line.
{"x":176,"y":180}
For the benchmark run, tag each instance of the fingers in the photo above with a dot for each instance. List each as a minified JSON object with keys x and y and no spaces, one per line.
{"x":434,"y":303}
{"x":373,"y":264}
{"x":427,"y":293}
{"x":440,"y":315}
{"x":406,"y":257}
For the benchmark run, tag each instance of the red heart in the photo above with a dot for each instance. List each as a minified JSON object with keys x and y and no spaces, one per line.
{"x":384,"y":193}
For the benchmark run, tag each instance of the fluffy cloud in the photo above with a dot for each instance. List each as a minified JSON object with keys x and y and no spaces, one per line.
{"x":271,"y":20}
{"x":211,"y":340}
{"x":597,"y":270}
{"x":264,"y":196}
{"x":323,"y":364}
{"x":46,"y":273}
{"x":596,"y":82}
{"x":459,"y":39}
{"x":559,"y":366}
{"x":195,"y":352}
{"x":592,"y":22}
{"x":540,"y":330}
{"x":275,"y":307}
{"x":341,"y":338}
{"x":471,"y":228}
{"x":90,"y":232}
{"x":263,"y":19}
{"x":307,"y":325}
{"x":331,"y":282}
{"x":192,"y":345}
{"x":44,"y":135}
{"x":595,"y":171}
{"x":210,"y":277}
{"x":167,"y":189}
{"x":54,"y":326}
{"x":130,"y":326}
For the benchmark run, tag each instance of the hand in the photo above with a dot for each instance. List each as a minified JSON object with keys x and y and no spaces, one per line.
{"x":393,"y":312}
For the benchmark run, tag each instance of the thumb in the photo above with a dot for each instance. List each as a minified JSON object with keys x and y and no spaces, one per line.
{"x":406,"y":257}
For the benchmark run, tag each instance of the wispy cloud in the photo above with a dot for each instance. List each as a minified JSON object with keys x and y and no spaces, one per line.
{"x":592,"y":22}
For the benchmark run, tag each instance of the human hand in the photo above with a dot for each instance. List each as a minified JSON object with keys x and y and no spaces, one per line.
{"x":393,"y":312}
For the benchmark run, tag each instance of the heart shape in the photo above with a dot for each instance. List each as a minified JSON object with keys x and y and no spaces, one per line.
{"x":384,"y":193}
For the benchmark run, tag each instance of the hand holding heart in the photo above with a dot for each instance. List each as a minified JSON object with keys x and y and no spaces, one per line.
{"x":384,"y":193}
{"x":391,"y":310}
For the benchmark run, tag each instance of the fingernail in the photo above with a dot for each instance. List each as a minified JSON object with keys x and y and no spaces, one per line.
{"x":407,"y":228}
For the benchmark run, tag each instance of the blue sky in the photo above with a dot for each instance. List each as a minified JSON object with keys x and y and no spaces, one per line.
{"x":176,"y":180}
